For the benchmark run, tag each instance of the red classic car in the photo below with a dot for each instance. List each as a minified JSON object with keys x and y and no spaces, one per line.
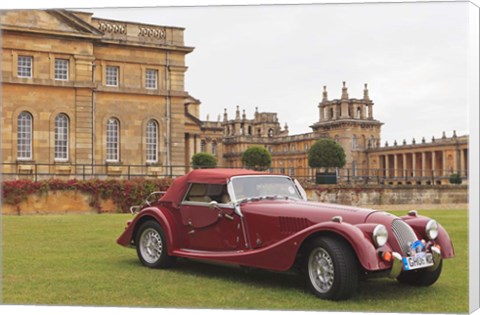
{"x":260,"y":220}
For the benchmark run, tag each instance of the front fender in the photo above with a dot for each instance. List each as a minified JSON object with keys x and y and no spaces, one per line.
{"x":162,"y":216}
{"x":418,"y":223}
{"x":359,"y":241}
{"x":282,"y":255}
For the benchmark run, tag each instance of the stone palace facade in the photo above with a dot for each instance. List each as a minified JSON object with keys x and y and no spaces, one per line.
{"x":83,"y":95}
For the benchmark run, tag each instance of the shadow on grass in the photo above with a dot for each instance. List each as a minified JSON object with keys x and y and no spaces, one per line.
{"x":376,"y":289}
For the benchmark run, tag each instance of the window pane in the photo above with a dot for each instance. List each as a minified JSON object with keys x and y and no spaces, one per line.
{"x":24,"y":69}
{"x":112,"y":139}
{"x":152,"y":141}
{"x":151,"y":79}
{"x":24,"y":136}
{"x":112,"y":76}
{"x":61,"y":137}
{"x":61,"y":69}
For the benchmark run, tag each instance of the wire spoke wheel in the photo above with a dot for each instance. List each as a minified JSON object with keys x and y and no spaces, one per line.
{"x":330,"y":268}
{"x":151,"y":245}
{"x":321,"y":270}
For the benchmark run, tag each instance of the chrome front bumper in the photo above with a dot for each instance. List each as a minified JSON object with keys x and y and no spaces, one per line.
{"x":397,"y":266}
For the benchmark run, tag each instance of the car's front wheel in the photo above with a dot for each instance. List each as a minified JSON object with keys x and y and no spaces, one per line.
{"x":420,"y":277}
{"x":152,"y":246}
{"x":330,"y":268}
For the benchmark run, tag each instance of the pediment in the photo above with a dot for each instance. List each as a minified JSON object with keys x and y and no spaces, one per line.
{"x":46,"y":21}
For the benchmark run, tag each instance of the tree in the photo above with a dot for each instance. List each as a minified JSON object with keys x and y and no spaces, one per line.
{"x":204,"y":160}
{"x":326,"y":153}
{"x":257,"y":158}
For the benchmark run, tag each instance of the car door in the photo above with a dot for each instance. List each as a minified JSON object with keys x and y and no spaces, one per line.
{"x":209,"y":218}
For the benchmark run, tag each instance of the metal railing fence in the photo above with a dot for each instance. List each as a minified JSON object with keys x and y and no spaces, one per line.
{"x":40,"y":171}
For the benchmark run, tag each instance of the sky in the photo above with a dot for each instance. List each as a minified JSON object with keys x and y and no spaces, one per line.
{"x":413,"y":56}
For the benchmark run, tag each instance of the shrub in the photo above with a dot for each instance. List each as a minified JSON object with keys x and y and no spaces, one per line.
{"x":204,"y":160}
{"x":124,"y":193}
{"x":257,"y":158}
{"x":326,"y":153}
{"x":455,"y":178}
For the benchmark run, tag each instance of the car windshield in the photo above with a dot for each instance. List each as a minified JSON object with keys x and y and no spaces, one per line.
{"x":264,"y":187}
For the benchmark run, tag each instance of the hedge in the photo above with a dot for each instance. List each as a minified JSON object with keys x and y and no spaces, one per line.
{"x":123,"y":193}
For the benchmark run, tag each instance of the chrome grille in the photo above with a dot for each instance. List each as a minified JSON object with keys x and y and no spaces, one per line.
{"x":404,"y":234}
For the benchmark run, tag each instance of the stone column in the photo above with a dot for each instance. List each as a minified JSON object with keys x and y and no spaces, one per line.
{"x":423,"y":171}
{"x":395,"y":165}
{"x":455,"y":161}
{"x":434,"y":164}
{"x":462,"y":162}
{"x":444,"y":164}
{"x":414,"y":164}
{"x":404,"y":164}
{"x":387,"y":166}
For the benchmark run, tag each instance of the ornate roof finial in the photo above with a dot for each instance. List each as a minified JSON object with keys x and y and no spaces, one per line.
{"x":344,"y":91}
{"x":413,"y":141}
{"x":454,"y":134}
{"x":208,"y":117}
{"x":237,"y":113}
{"x":433,"y":139}
{"x":365,"y":93}
{"x":404,"y":142}
{"x":325,"y":94}
{"x":386,"y":143}
{"x":443,"y":135}
{"x":225,"y":115}
{"x":395,"y":143}
{"x":244,"y":116}
{"x":423,"y":139}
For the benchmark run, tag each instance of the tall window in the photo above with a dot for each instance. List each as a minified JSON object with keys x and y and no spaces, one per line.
{"x":214,"y":147}
{"x":61,"y":69}
{"x":24,"y":136}
{"x":152,"y":141}
{"x":112,"y":76}
{"x":113,"y":128}
{"x":61,"y":137}
{"x":24,"y":66}
{"x":203,"y":146}
{"x":151,"y":79}
{"x":354,"y":142}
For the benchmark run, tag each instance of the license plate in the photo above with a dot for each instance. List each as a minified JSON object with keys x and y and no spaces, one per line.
{"x":418,"y":261}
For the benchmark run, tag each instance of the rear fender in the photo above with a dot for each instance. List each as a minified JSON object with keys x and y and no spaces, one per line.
{"x":162,"y":216}
{"x":418,"y":224}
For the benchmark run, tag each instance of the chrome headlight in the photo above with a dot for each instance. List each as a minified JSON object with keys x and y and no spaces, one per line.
{"x":380,"y":235}
{"x":432,"y":229}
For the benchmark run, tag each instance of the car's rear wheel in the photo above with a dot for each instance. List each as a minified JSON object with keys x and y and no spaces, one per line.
{"x":330,"y":268}
{"x":152,"y":246}
{"x":420,"y":277}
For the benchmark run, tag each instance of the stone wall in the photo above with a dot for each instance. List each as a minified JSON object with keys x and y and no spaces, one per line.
{"x":418,"y":197}
{"x":404,"y":198}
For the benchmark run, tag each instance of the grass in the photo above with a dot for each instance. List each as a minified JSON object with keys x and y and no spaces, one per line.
{"x":74,"y":260}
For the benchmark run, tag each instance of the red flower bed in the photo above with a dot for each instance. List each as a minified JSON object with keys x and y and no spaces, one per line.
{"x":124,"y":193}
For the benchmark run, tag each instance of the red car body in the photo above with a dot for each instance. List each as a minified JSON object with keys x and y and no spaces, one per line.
{"x":276,"y":232}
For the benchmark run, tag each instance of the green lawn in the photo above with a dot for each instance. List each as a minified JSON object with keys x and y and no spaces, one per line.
{"x":74,"y":260}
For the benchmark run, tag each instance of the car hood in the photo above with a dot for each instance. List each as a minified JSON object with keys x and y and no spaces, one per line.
{"x":313,"y":211}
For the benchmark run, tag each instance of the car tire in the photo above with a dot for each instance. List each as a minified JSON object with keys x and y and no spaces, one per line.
{"x":420,"y":277}
{"x":330,"y":268}
{"x":151,"y":246}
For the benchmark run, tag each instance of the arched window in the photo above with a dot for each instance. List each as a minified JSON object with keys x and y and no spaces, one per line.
{"x":152,"y":142}
{"x":61,"y":137}
{"x":331,"y":113}
{"x":270,"y":132}
{"x":354,"y":142}
{"x":359,"y":112}
{"x":113,"y":143}
{"x":24,"y":136}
